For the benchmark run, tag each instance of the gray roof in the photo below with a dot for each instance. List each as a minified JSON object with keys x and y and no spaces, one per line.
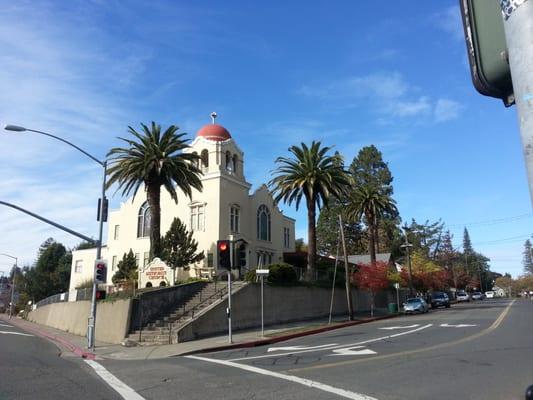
{"x":365,"y":258}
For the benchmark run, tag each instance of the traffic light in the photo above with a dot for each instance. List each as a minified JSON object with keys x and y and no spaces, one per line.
{"x":223,"y":252}
{"x":104,"y":211}
{"x":100,"y":271}
{"x":241,"y":255}
{"x":100,"y":294}
{"x":487,"y":49}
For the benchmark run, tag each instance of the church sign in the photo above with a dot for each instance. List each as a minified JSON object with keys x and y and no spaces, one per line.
{"x":155,"y":274}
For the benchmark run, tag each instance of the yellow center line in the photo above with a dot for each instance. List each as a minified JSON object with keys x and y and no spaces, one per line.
{"x":491,"y":328}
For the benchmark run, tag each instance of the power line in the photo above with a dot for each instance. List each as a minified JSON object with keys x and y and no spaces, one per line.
{"x":491,"y":221}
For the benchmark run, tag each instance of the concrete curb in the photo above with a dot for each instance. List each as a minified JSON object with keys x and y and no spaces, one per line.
{"x":64,"y":342}
{"x":282,"y":338}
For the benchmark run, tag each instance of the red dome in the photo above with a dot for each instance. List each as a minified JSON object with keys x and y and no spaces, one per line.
{"x":214,"y":132}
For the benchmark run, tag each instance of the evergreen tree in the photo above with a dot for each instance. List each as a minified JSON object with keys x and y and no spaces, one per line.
{"x":179,"y":247}
{"x":126,"y":268}
{"x":467,"y":244}
{"x":368,"y":170}
{"x":327,"y":232}
{"x":527,"y":261}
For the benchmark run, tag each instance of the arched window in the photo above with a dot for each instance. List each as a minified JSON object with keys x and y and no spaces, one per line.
{"x":229,"y":162}
{"x":195,"y":162}
{"x":144,"y":220}
{"x":263,"y":223}
{"x":205,"y":158}
{"x":234,"y":217}
{"x":235,"y":159}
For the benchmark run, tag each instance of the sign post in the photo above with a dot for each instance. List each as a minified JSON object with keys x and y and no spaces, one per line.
{"x":397,"y":287}
{"x":262,"y":273}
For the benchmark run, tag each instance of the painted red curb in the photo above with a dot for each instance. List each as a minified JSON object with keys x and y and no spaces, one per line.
{"x":282,"y":338}
{"x":64,"y":342}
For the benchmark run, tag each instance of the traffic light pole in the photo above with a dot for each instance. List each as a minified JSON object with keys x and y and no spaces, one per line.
{"x":92,"y":318}
{"x":518,"y":25}
{"x":230,"y":338}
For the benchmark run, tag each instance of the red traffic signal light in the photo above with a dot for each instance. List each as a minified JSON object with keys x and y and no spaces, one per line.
{"x":223,"y":253}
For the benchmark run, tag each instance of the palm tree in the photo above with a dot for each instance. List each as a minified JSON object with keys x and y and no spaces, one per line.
{"x":372,"y":203}
{"x":155,"y":160}
{"x":312,"y":174}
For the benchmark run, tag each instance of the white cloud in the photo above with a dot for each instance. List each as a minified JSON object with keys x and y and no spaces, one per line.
{"x":56,"y":78}
{"x":446,"y":110}
{"x":388,"y":95}
{"x":449,"y":20}
{"x":412,"y":108}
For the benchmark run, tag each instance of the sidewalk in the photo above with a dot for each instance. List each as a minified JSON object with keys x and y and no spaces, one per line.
{"x":68,"y":342}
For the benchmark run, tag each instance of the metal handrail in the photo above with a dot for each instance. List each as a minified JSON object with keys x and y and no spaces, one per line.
{"x":222,"y":292}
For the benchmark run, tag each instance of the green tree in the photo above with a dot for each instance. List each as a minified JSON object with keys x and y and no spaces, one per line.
{"x":311,"y":174}
{"x":327,"y":231}
{"x":369,"y":169}
{"x":426,"y":237}
{"x":527,"y":261}
{"x":468,"y":250}
{"x":126,"y":268}
{"x":371,"y":203}
{"x":179,"y":247}
{"x":154,"y":159}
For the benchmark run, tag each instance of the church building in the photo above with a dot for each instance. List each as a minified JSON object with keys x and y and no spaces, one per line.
{"x":224,"y":209}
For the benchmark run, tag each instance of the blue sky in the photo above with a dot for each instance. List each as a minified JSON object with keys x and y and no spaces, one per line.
{"x":347,"y":73}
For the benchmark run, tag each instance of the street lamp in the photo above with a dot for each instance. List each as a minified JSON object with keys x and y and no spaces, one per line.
{"x":101,"y":217}
{"x":407,"y":245}
{"x":11,"y":305}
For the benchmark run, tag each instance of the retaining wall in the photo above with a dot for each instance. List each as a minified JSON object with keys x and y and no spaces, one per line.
{"x":281,"y":305}
{"x":112,"y":318}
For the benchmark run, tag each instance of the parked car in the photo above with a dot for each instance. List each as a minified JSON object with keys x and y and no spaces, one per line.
{"x":490,"y":294}
{"x":477,"y":296}
{"x":415,"y":305}
{"x":462,"y":296}
{"x":440,"y":299}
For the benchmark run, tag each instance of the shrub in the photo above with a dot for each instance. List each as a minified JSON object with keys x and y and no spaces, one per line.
{"x":282,"y":274}
{"x":250,"y":276}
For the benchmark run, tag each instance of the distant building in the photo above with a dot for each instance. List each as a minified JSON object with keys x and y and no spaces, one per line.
{"x":224,"y":207}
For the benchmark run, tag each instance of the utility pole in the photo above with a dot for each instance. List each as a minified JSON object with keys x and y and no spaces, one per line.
{"x":346,"y":271}
{"x":518,"y":26}
{"x":407,"y":245}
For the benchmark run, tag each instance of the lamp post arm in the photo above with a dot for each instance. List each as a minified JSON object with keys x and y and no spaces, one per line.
{"x":63,"y":228}
{"x":69,"y":143}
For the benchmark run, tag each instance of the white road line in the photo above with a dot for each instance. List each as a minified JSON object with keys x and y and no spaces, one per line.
{"x":334,"y":347}
{"x":400,"y":327}
{"x":120,"y":387}
{"x":14,"y":333}
{"x":287,"y":348}
{"x":291,"y":378}
{"x":7,"y":326}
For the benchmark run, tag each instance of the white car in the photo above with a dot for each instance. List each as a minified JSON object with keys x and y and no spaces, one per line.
{"x":462,"y":296}
{"x":490,"y":294}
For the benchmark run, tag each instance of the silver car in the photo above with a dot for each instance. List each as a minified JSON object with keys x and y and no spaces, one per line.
{"x":462,"y":296}
{"x":415,"y":305}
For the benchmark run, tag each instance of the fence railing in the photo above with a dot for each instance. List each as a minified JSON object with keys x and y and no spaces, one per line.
{"x":56,"y":298}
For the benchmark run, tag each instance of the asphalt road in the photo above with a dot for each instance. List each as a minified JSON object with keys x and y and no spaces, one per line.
{"x":30,"y":368}
{"x":480,"y":350}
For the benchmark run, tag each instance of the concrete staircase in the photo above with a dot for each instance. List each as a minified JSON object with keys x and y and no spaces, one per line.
{"x":164,"y":329}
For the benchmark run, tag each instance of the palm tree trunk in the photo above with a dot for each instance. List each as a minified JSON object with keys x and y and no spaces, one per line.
{"x":376,"y":233}
{"x":371,"y":239}
{"x":311,"y":233}
{"x":154,"y":200}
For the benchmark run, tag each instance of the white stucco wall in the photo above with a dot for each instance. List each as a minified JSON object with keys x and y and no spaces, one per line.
{"x":221,"y":190}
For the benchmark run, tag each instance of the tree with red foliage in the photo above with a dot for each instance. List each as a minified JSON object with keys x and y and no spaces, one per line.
{"x":372,"y":278}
